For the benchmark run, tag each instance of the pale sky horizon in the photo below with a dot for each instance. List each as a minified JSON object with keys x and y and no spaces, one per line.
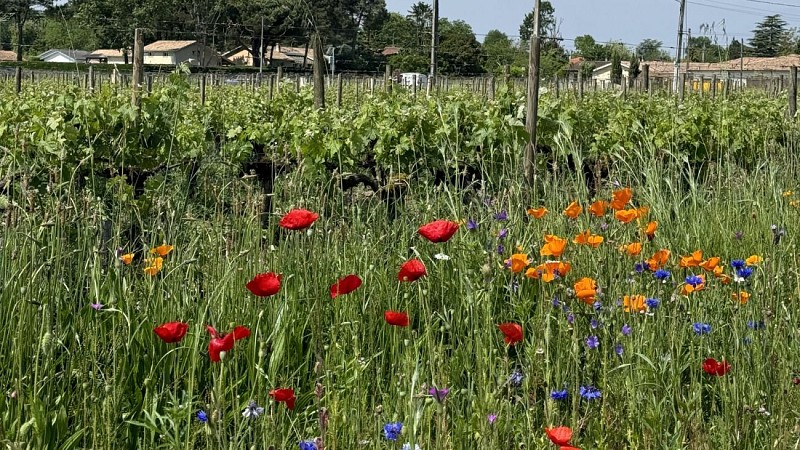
{"x":629,"y":21}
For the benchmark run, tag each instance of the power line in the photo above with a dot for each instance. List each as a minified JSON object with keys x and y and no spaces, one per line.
{"x":773,"y":3}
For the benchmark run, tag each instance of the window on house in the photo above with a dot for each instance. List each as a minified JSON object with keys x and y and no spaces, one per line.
{"x":165,"y":54}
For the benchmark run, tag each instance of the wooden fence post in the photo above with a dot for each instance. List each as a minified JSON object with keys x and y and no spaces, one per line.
{"x":203,"y":89}
{"x":387,"y":79}
{"x":18,"y":80}
{"x":138,"y":66}
{"x":339,"y":90}
{"x":793,"y":92}
{"x":682,"y":87}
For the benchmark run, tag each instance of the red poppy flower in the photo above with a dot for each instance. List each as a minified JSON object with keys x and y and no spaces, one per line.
{"x":438,"y":230}
{"x":283,"y":396}
{"x":398,"y":319}
{"x":512,"y":331}
{"x":171,"y":332}
{"x":411,"y":270}
{"x":717,"y":368}
{"x":567,"y":447}
{"x":559,"y":435}
{"x":346,"y":285}
{"x":225,"y":343}
{"x":298,"y":219}
{"x":265,"y":284}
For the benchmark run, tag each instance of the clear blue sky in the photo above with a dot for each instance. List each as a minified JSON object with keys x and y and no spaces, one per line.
{"x":629,"y":21}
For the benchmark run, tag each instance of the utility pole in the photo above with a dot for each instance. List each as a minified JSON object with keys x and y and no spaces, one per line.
{"x":679,"y":48}
{"x":261,"y":51}
{"x":434,"y":39}
{"x":138,"y":66}
{"x":529,"y":163}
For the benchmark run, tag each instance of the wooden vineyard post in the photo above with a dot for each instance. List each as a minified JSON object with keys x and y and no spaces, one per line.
{"x":149,"y":84}
{"x":319,"y":74}
{"x":492,"y":87}
{"x":271,"y":86}
{"x":203,"y":89}
{"x":138,"y":66}
{"x":529,"y":163}
{"x":18,"y":80}
{"x":387,"y":79}
{"x":682,"y":87}
{"x":91,"y":79}
{"x":339,"y":90}
{"x":646,"y":77}
{"x":714,"y":86}
{"x":580,"y":85}
{"x":793,"y":92}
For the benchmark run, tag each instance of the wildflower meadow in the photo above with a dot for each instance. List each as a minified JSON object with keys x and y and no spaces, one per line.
{"x":156,"y":293}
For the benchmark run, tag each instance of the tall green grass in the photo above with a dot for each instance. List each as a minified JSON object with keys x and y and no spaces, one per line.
{"x":74,"y":377}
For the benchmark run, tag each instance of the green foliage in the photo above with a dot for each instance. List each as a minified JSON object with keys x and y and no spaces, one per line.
{"x":616,"y":69}
{"x":547,"y":22}
{"x":703,"y":49}
{"x":459,"y":51}
{"x":769,"y":37}
{"x":650,"y":50}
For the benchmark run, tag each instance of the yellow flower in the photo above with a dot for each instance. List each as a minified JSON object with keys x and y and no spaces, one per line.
{"x":154,"y":265}
{"x":161,"y":250}
{"x":126,"y":258}
{"x":742,"y":297}
{"x":752,"y":260}
{"x":788,"y":193}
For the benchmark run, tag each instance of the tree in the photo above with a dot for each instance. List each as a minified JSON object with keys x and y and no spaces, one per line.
{"x":21,"y":11}
{"x":616,"y":68}
{"x":702,"y":49}
{"x":499,"y":51}
{"x":769,"y":36}
{"x":737,"y":50}
{"x":633,"y":71}
{"x":650,"y":50}
{"x":421,"y":16}
{"x":586,"y":47}
{"x":547,"y":22}
{"x":459,"y":51}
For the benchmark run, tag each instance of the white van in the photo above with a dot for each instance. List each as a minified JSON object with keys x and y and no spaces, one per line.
{"x":408,"y":79}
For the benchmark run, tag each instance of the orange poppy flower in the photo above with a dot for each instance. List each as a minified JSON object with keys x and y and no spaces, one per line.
{"x":154,"y":265}
{"x":586,"y":238}
{"x":518,"y":262}
{"x":692,"y":260}
{"x":643,"y":210}
{"x":620,"y":198}
{"x":650,"y":230}
{"x":537,"y":213}
{"x":634,"y":303}
{"x":161,"y":250}
{"x":126,"y":259}
{"x":659,"y":259}
{"x":722,"y":277}
{"x":633,"y":249}
{"x":585,"y":290}
{"x":573,"y":210}
{"x":548,"y":271}
{"x":742,"y":297}
{"x":626,"y":215}
{"x":687,"y":288}
{"x":753,"y":260}
{"x":710,"y":264}
{"x":598,"y":208}
{"x":554,"y":246}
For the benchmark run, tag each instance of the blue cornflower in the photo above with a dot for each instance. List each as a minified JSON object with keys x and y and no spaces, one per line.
{"x":662,"y":275}
{"x":639,"y":267}
{"x":516,"y":377}
{"x":556,"y":303}
{"x":619,"y":349}
{"x":626,"y":330}
{"x":701,"y":328}
{"x":501,"y":249}
{"x":202,"y":416}
{"x":756,"y":325}
{"x":590,"y":392}
{"x":252,"y":410}
{"x":747,"y":340}
{"x":559,"y":395}
{"x":743,"y":273}
{"x":597,"y":305}
{"x":308,"y":445}
{"x":570,"y":318}
{"x":595,"y":324}
{"x":472,"y":225}
{"x":737,"y":264}
{"x":592,"y":342}
{"x":503,"y":233}
{"x":652,"y":303}
{"x":391,"y":431}
{"x":438,"y":394}
{"x":501,"y":216}
{"x":694,"y":280}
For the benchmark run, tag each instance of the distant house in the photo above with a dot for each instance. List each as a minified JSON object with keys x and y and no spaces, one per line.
{"x":6,"y":55}
{"x":602,"y":71}
{"x":274,"y":56}
{"x":64,"y":56}
{"x":172,"y":53}
{"x":109,"y":56}
{"x":391,"y":51}
{"x":752,"y":70}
